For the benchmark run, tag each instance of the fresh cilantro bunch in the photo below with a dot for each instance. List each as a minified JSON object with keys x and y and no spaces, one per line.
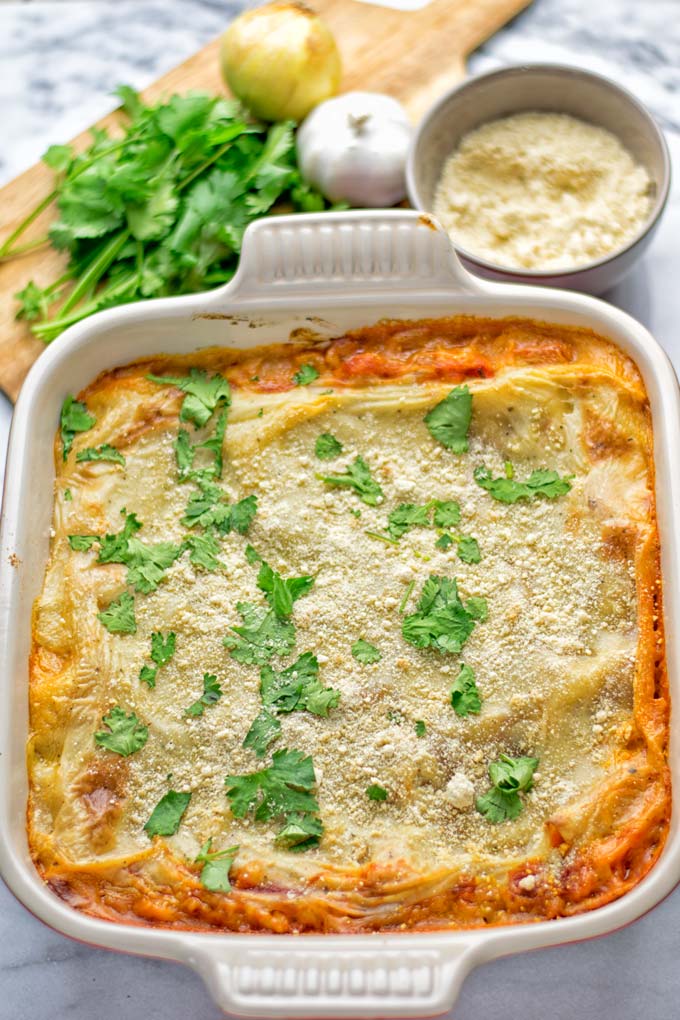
{"x":161,"y":210}
{"x":509,"y":777}
{"x":281,"y":791}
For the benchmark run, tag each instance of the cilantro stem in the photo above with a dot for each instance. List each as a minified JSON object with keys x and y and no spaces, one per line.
{"x":5,"y":249}
{"x":23,"y":249}
{"x":383,"y":538}
{"x":204,"y":166}
{"x":48,"y":331}
{"x":95,"y":271}
{"x":407,"y":595}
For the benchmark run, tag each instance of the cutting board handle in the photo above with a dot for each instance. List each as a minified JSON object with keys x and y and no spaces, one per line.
{"x":386,"y":251}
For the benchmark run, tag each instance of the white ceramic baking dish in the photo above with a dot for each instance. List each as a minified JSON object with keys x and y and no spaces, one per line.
{"x":327,"y":273}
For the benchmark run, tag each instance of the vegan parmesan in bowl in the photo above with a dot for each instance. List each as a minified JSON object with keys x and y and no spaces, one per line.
{"x":542,"y":191}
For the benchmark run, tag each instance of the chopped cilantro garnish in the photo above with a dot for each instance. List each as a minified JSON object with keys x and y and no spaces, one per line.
{"x":365,"y":652}
{"x":446,"y":513}
{"x":282,"y":790}
{"x":146,"y":563}
{"x":103,"y":452}
{"x":212,"y":692}
{"x":509,"y":778}
{"x":207,"y":509}
{"x":441,"y":621}
{"x":167,"y":815}
{"x":282,"y":592}
{"x":125,"y":733}
{"x":407,"y":515}
{"x":327,"y":446}
{"x":119,"y":615}
{"x":305,"y":375}
{"x":477,"y":607}
{"x":375,"y":792}
{"x":261,"y":635}
{"x":297,"y":688}
{"x":75,"y":417}
{"x":540,"y":483}
{"x":67,"y":496}
{"x":203,"y":550}
{"x":185,"y":452}
{"x":468,"y":549}
{"x":216,"y":866}
{"x":420,"y":728}
{"x":444,"y":542}
{"x":203,"y":394}
{"x":264,"y":728}
{"x":464,"y":694}
{"x":81,"y":543}
{"x":252,"y":555}
{"x":162,"y":650}
{"x":449,"y":421}
{"x":357,"y":476}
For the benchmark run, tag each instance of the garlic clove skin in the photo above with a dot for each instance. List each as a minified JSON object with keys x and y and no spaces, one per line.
{"x":353,"y":148}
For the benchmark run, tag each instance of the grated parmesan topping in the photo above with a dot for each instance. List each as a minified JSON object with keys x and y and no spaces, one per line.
{"x":554,"y":662}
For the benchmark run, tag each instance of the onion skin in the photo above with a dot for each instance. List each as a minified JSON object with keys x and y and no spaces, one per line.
{"x":280,"y":60}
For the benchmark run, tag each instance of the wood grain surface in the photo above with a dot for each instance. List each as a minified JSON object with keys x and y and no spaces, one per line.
{"x":412,"y":55}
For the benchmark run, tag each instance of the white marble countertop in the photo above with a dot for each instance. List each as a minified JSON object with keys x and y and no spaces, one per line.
{"x":60,"y":61}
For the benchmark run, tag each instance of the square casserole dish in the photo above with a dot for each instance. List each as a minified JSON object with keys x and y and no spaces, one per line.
{"x":327,"y":273}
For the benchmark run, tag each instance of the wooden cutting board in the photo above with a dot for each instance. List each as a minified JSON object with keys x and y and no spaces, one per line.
{"x":412,"y":55}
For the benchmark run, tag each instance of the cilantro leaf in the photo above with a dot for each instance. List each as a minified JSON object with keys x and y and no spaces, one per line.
{"x":212,"y":692}
{"x":252,"y":555}
{"x":327,"y":446}
{"x":407,"y":515}
{"x":282,"y":790}
{"x":203,"y":394}
{"x":444,"y":542}
{"x":243,"y":513}
{"x":464,"y":694}
{"x":207,"y":509}
{"x":301,"y":832}
{"x":103,"y":452}
{"x":264,"y":728}
{"x":305,"y":375}
{"x":468,"y":549}
{"x":185,"y":452}
{"x":216,"y":866}
{"x":540,"y":483}
{"x":261,"y":635}
{"x":113,"y":548}
{"x":441,"y":621}
{"x":498,"y":806}
{"x":357,"y":476}
{"x":375,"y":792}
{"x":297,"y":688}
{"x":509,"y":777}
{"x":449,"y":421}
{"x":365,"y":652}
{"x":203,"y":550}
{"x":420,"y":728}
{"x":81,"y":543}
{"x":75,"y":417}
{"x":125,"y":734}
{"x":477,"y":608}
{"x":166,"y":816}
{"x":67,"y":496}
{"x":282,"y":592}
{"x":162,"y":649}
{"x":446,"y":513}
{"x":119,"y":615}
{"x":147,"y":563}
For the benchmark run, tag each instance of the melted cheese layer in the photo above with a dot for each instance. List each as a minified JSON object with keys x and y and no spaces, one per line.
{"x":569,"y":663}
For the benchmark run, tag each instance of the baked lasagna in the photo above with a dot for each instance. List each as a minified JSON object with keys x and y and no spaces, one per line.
{"x":352,"y":635}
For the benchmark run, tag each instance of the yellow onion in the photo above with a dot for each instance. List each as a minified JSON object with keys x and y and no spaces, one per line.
{"x":280,"y":60}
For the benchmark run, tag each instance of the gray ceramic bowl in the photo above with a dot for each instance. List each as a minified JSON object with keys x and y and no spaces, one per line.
{"x":560,"y":89}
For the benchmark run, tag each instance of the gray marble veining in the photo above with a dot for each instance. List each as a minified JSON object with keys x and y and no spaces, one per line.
{"x":59,"y":62}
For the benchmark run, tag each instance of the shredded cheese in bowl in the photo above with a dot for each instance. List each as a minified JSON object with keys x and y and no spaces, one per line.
{"x":543,"y":191}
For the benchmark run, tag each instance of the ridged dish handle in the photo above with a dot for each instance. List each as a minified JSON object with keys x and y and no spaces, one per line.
{"x":384,"y":251}
{"x":375,"y":979}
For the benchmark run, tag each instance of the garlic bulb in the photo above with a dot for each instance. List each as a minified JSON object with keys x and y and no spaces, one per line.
{"x":280,"y":60}
{"x":353,"y":149}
